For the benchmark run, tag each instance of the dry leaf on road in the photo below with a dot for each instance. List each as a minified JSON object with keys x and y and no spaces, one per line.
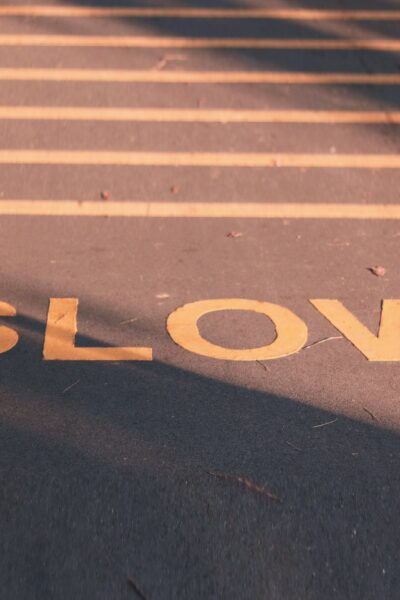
{"x":378,"y":271}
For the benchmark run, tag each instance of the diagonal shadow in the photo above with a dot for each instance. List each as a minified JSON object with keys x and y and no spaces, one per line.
{"x":108,"y":480}
{"x":361,"y":61}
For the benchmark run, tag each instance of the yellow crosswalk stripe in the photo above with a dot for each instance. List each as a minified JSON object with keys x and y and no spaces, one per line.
{"x":387,"y":45}
{"x":296,"y":14}
{"x":200,"y":159}
{"x":235,"y":77}
{"x":263,"y":210}
{"x":74,"y":113}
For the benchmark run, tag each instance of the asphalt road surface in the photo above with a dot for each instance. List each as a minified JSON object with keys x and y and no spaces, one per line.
{"x":159,"y":156}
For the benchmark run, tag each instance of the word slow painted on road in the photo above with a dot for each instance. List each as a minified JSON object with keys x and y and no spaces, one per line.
{"x":291,"y":331}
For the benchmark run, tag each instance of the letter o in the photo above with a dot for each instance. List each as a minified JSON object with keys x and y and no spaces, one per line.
{"x":291,"y":331}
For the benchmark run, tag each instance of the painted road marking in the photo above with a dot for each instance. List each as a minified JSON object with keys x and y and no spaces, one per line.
{"x":384,"y":347}
{"x":387,"y":45}
{"x":61,"y":329}
{"x":8,"y":337}
{"x":198,"y":115}
{"x":200,"y":159}
{"x":291,"y":332}
{"x":251,"y":210}
{"x":153,"y":76}
{"x":202,"y":13}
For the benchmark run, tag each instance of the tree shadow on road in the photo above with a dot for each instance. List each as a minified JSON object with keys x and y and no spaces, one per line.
{"x":362,"y":61}
{"x":104,"y":478}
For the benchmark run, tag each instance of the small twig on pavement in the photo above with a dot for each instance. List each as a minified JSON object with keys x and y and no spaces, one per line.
{"x":128,"y":321}
{"x":71,"y":386}
{"x":373,"y":417}
{"x":262,"y":365}
{"x":324,"y":424}
{"x":59,"y":318}
{"x":293,"y":446}
{"x":167,"y":58}
{"x":250,"y":485}
{"x":134,"y":586}
{"x":332,"y":337}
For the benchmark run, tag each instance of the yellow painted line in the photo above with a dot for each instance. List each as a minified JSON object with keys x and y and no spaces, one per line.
{"x":169,"y":115}
{"x":264,"y":210}
{"x":154,"y":76}
{"x":187,"y":42}
{"x":200,"y":159}
{"x":201,"y":13}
